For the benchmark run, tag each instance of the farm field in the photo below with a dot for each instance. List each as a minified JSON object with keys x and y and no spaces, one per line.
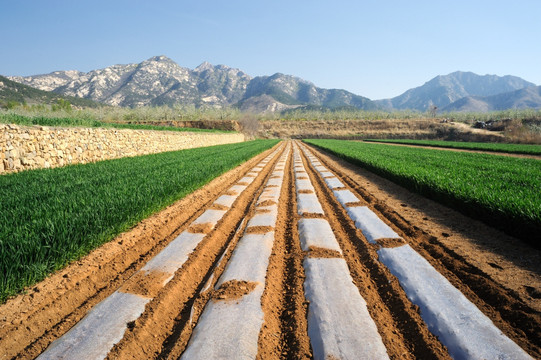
{"x":51,"y":217}
{"x":493,"y":147}
{"x":85,"y":122}
{"x":500,"y":190}
{"x":277,"y":259}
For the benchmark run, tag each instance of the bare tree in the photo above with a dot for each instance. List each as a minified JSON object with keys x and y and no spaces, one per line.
{"x":433,"y":111}
{"x":249,"y":125}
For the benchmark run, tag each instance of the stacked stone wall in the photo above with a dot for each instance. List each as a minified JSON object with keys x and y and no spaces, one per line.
{"x":34,"y":147}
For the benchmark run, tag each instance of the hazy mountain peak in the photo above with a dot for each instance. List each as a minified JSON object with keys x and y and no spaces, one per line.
{"x":204,"y":66}
{"x":160,"y":58}
{"x":443,"y":90}
{"x":526,"y":98}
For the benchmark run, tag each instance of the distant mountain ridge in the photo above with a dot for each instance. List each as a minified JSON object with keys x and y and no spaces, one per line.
{"x":527,"y":98}
{"x":14,"y":92}
{"x":156,"y":81}
{"x":291,"y":90}
{"x":161,"y":81}
{"x":446,"y":89}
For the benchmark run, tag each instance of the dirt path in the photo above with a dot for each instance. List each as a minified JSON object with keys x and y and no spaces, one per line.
{"x":273,"y":260}
{"x":537,"y":157}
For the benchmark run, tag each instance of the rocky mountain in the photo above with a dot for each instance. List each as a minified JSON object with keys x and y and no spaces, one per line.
{"x":527,"y":98}
{"x":156,"y":81}
{"x":12,"y":93}
{"x":446,"y":89}
{"x":291,"y":90}
{"x":161,"y":81}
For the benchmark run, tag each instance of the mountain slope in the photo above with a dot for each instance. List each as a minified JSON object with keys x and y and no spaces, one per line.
{"x":123,"y":85}
{"x":291,"y":90}
{"x":446,"y":89}
{"x":160,"y":81}
{"x":11,"y":91}
{"x":527,"y":98}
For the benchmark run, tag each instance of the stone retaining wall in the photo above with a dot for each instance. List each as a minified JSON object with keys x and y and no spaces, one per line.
{"x":23,"y":147}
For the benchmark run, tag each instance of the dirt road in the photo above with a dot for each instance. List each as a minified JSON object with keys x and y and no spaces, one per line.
{"x":291,"y":255}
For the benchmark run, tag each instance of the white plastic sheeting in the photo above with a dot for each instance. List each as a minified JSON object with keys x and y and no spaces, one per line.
{"x":318,"y":233}
{"x":270,"y":193}
{"x":339,"y":324}
{"x":345,"y":196}
{"x":210,"y":216}
{"x":263,"y":219}
{"x":303,"y":184}
{"x":458,"y":323}
{"x":308,"y":203}
{"x":99,"y":330}
{"x":326,"y":174}
{"x":370,"y":224}
{"x":229,"y":329}
{"x":226,"y":329}
{"x":226,"y":200}
{"x":333,"y":183}
{"x":175,"y":254}
{"x":237,"y":188}
{"x":250,"y":259}
{"x":247,"y":180}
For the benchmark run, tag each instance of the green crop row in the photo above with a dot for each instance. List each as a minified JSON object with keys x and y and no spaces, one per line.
{"x":496,"y":147}
{"x":51,"y":217}
{"x":84,"y":122}
{"x":502,"y":191}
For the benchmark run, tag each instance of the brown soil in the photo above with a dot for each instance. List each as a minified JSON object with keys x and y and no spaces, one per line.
{"x":496,"y":272}
{"x":390,"y":243}
{"x":233,"y":290}
{"x":537,"y":157}
{"x":218,"y":207}
{"x":306,"y":192}
{"x":355,"y":204}
{"x":267,"y":203}
{"x":284,"y":334}
{"x":201,"y":228}
{"x":318,"y":252}
{"x":258,"y":229}
{"x":374,"y":129}
{"x":145,"y":284}
{"x":262,"y":211}
{"x":308,"y":215}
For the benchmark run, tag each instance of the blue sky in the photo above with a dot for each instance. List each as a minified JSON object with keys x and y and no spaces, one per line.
{"x":374,"y":48}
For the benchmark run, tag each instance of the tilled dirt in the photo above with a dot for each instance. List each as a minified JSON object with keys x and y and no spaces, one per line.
{"x":495,"y":272}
